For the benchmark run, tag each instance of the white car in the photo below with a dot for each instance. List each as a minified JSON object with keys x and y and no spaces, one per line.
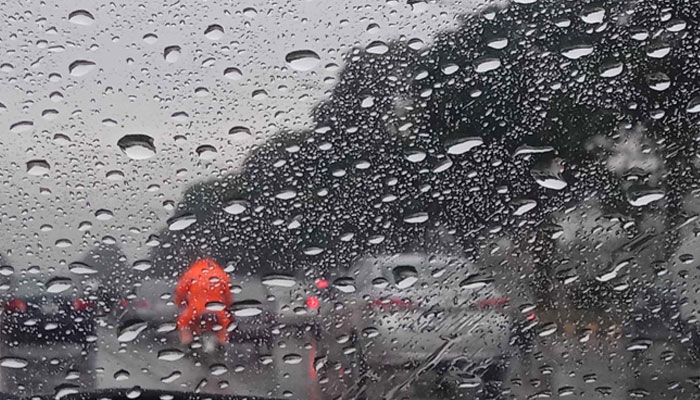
{"x":407,"y":306}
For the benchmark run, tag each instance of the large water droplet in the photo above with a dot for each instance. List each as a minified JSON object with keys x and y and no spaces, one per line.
{"x":233,"y":73}
{"x":639,"y":197}
{"x":81,"y":67}
{"x":172,"y":53}
{"x":658,"y":50}
{"x":58,"y":285}
{"x":405,"y":276}
{"x":693,"y":106}
{"x":181,"y":222}
{"x":611,"y":69}
{"x":658,"y":81}
{"x":416,"y":218}
{"x":302,"y":60}
{"x":79,"y":268}
{"x":206,"y":152}
{"x":377,"y":47}
{"x":236,"y":207}
{"x":522,"y":206}
{"x":345,"y":285}
{"x":286,"y":194}
{"x":131,"y":330}
{"x":486,"y":64}
{"x":81,"y":17}
{"x":247,"y":308}
{"x":277,"y":280}
{"x":21,"y":126}
{"x":577,"y":51}
{"x":13,"y":362}
{"x":137,"y":146}
{"x":292,"y":358}
{"x":593,"y":15}
{"x":463,"y":145}
{"x":214,"y":32}
{"x":38,"y":167}
{"x":170,"y":355}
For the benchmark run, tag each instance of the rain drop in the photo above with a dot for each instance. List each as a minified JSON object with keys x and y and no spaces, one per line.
{"x":302,"y":60}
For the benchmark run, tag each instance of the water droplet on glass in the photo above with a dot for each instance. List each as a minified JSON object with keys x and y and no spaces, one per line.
{"x":38,"y":167}
{"x":345,"y":285}
{"x":593,"y":15}
{"x":522,"y":206}
{"x":497,"y":43}
{"x":21,"y":126}
{"x":247,"y":308}
{"x":577,"y":51}
{"x":449,"y":69}
{"x":475,"y":281}
{"x":103,"y":214}
{"x":302,"y":60}
{"x":137,"y":146}
{"x":405,"y":276}
{"x":142,"y":265}
{"x":277,"y":280}
{"x":58,"y":285}
{"x":81,"y":17}
{"x":130,"y":330}
{"x":658,"y":81}
{"x":524,"y":1}
{"x":115,"y":175}
{"x":292,"y":358}
{"x":416,"y":44}
{"x":463,"y":145}
{"x":81,"y":67}
{"x":415,"y":156}
{"x":416,"y":218}
{"x":611,"y":69}
{"x":79,"y":268}
{"x":639,"y":345}
{"x":13,"y":362}
{"x":218,"y":369}
{"x":206,"y":152}
{"x":150,"y":38}
{"x":250,"y":12}
{"x":486,"y":64}
{"x":639,"y":197}
{"x":233,"y":73}
{"x":171,"y":53}
{"x":658,"y":50}
{"x":63,"y":243}
{"x":236,"y":207}
{"x":693,"y":106}
{"x":377,"y":47}
{"x":214,"y":32}
{"x":170,"y":355}
{"x":181,"y":222}
{"x":287,"y":194}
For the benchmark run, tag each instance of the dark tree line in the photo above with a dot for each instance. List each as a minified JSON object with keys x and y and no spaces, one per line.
{"x":387,"y":109}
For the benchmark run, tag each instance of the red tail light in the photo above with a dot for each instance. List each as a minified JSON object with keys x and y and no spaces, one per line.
{"x":123,"y":303}
{"x":321,"y":283}
{"x":497,"y":302}
{"x":16,"y":305}
{"x":391,"y":303}
{"x":142,"y":304}
{"x":313,"y":302}
{"x":82,"y":305}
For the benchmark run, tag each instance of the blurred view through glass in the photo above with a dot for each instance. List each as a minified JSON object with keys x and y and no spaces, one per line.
{"x":383,"y":199}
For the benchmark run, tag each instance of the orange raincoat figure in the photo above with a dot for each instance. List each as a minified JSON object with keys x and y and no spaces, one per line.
{"x":204,"y":282}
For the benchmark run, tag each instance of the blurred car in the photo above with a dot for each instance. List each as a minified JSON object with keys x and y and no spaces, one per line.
{"x":406,"y":307}
{"x":46,"y":329}
{"x":261,"y":307}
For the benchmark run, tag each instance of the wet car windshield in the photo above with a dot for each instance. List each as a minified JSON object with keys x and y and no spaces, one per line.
{"x":386,"y":199}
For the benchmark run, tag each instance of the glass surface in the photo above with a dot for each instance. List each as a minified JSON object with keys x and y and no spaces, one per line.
{"x":413,"y":199}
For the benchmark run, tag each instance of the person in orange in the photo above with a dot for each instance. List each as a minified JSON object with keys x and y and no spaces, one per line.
{"x":204,"y":282}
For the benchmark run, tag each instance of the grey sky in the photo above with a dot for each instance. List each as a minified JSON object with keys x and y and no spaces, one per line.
{"x":132,"y":89}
